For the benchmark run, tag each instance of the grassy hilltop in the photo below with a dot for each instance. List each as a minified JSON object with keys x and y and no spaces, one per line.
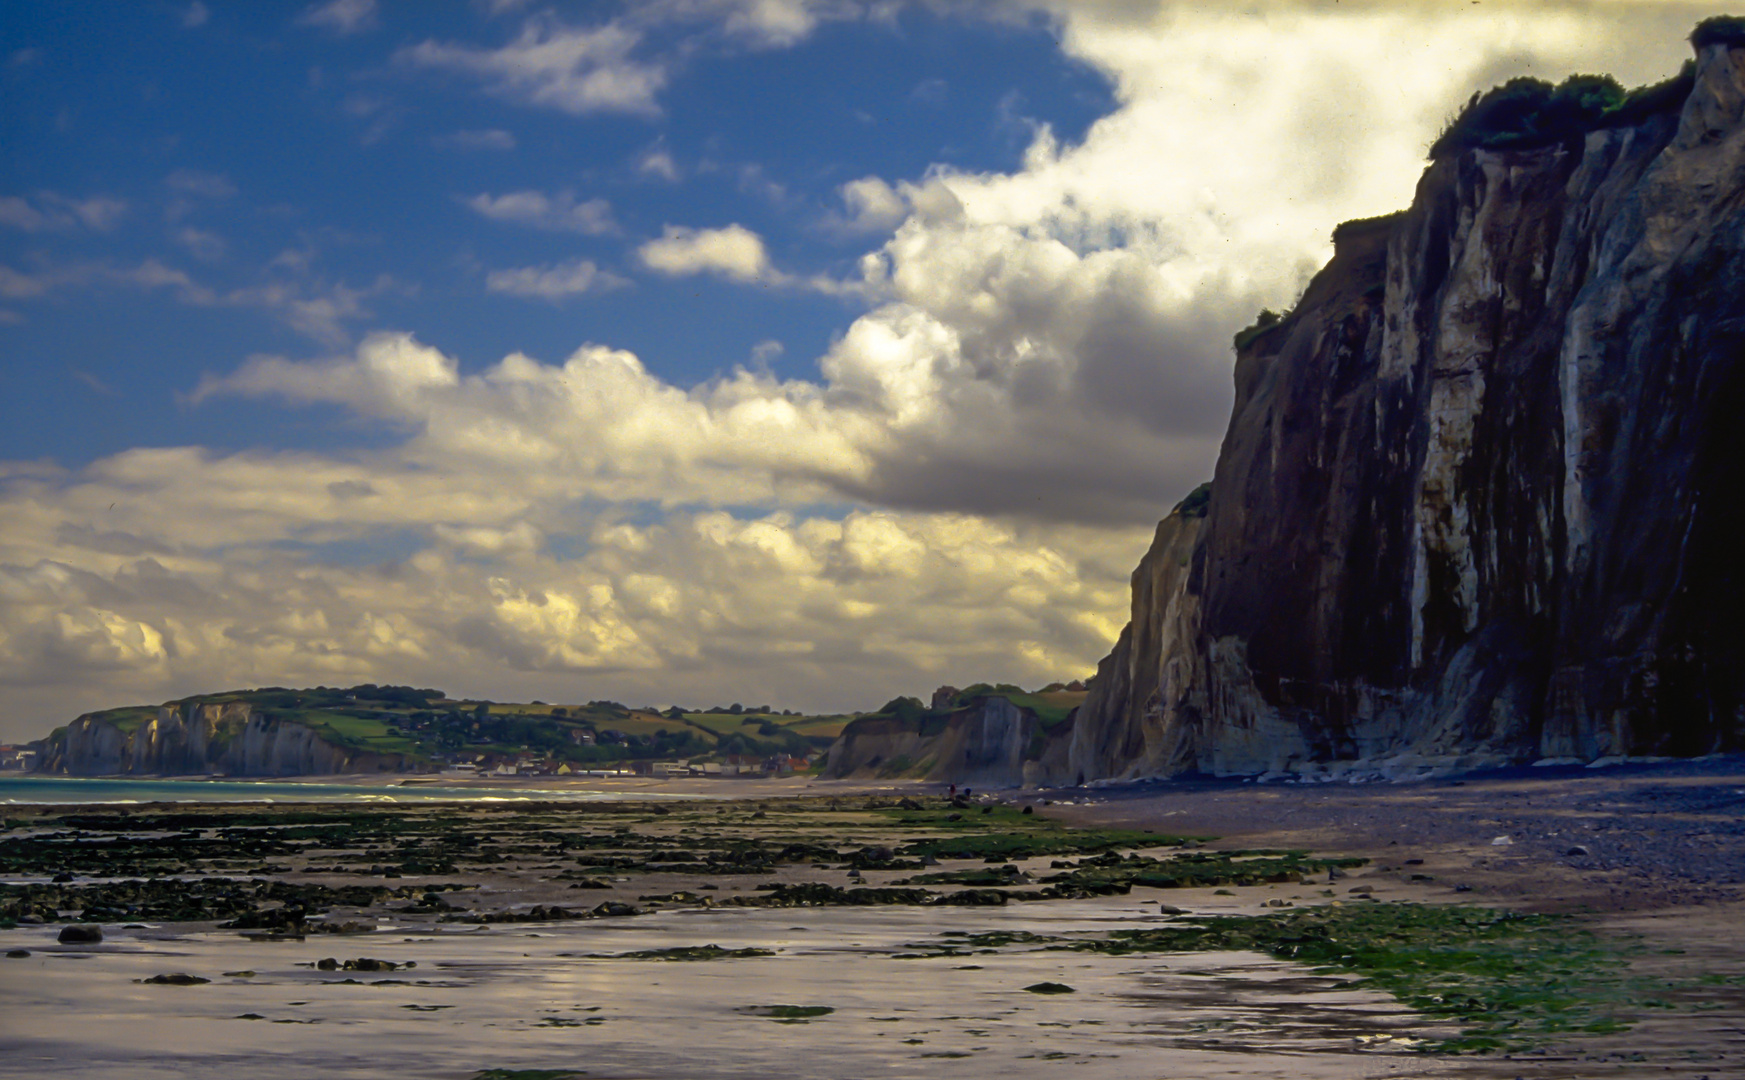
{"x":428,"y":724}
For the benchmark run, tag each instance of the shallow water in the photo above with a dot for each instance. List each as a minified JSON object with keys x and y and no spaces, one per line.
{"x":16,"y":790}
{"x":531,"y":998}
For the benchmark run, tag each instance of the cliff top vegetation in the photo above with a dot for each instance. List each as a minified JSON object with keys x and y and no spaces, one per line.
{"x":428,"y":724}
{"x":1525,"y":112}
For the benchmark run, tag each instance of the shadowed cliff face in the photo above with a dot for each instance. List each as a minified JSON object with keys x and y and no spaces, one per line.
{"x":1479,"y":500}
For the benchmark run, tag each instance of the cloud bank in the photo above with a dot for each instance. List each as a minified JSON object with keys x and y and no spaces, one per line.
{"x":1038,"y":367}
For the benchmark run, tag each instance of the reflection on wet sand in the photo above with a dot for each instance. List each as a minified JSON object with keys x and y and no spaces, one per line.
{"x":497,"y":997}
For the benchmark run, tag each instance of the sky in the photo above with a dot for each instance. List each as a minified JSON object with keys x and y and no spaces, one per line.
{"x":799,"y":352}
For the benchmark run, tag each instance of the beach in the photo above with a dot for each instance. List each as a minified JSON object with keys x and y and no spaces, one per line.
{"x":840,"y":930}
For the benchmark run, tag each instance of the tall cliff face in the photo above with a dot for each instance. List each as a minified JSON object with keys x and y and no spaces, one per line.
{"x":227,"y":738}
{"x":1482,"y":496}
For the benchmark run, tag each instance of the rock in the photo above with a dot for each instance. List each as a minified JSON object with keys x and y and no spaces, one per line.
{"x":1049,"y":988}
{"x":614,"y":908}
{"x":1360,"y":582}
{"x":1277,"y":902}
{"x":908,"y":804}
{"x":1502,"y":841}
{"x":17,"y":954}
{"x":1361,"y":890}
{"x":62,"y":878}
{"x":1576,"y":851}
{"x":327,"y":964}
{"x":81,"y":934}
{"x":180,"y":978}
{"x":1169,"y":909}
{"x":1028,"y":809}
{"x":364,"y":963}
{"x":31,"y":920}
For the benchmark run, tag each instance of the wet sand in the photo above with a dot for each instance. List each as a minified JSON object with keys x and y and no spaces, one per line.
{"x":1662,"y":870}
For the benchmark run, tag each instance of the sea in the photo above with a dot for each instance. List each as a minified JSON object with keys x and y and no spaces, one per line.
{"x":41,"y":790}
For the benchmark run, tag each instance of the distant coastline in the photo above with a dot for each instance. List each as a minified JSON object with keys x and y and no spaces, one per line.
{"x":60,"y":790}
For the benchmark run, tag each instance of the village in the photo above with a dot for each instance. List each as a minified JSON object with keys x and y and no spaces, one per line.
{"x":725,"y":766}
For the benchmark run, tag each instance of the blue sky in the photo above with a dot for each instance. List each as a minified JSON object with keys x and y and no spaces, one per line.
{"x":811,"y":351}
{"x":253,"y":146}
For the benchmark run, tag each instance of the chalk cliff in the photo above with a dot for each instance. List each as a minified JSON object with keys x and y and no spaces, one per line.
{"x":229,"y":738}
{"x":985,"y":743}
{"x":1482,"y":495}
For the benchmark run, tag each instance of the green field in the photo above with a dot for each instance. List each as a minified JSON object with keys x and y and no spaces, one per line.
{"x":129,"y":719}
{"x":428,"y":725}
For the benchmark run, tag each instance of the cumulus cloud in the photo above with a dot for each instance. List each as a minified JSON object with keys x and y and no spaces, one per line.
{"x":558,"y":282}
{"x":734,"y":252}
{"x":549,"y":64}
{"x":873,"y":206}
{"x":658,"y":163}
{"x":560,"y":212}
{"x":697,"y":607}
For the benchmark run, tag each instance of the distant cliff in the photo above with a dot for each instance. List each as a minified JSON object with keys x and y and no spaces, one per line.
{"x":983,"y":736}
{"x":231,"y":738}
{"x":1482,"y":496}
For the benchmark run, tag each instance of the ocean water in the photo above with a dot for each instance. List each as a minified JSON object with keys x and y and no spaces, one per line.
{"x":16,"y":790}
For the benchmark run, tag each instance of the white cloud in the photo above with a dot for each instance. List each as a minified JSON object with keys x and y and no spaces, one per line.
{"x":489,"y":139}
{"x":765,"y":24}
{"x":560,"y":212}
{"x":659,"y":163}
{"x":733,"y":252}
{"x":195,"y":15}
{"x":559,"y":282}
{"x":49,"y":211}
{"x":206,"y":574}
{"x":341,"y":16}
{"x":873,"y":206}
{"x":551,"y":65}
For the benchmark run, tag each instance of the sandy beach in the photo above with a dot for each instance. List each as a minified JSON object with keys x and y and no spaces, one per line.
{"x":557,"y":936}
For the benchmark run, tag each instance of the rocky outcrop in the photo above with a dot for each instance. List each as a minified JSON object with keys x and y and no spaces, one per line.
{"x":1146,"y":666}
{"x":986,"y":743}
{"x":229,"y":738}
{"x":1482,"y":496}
